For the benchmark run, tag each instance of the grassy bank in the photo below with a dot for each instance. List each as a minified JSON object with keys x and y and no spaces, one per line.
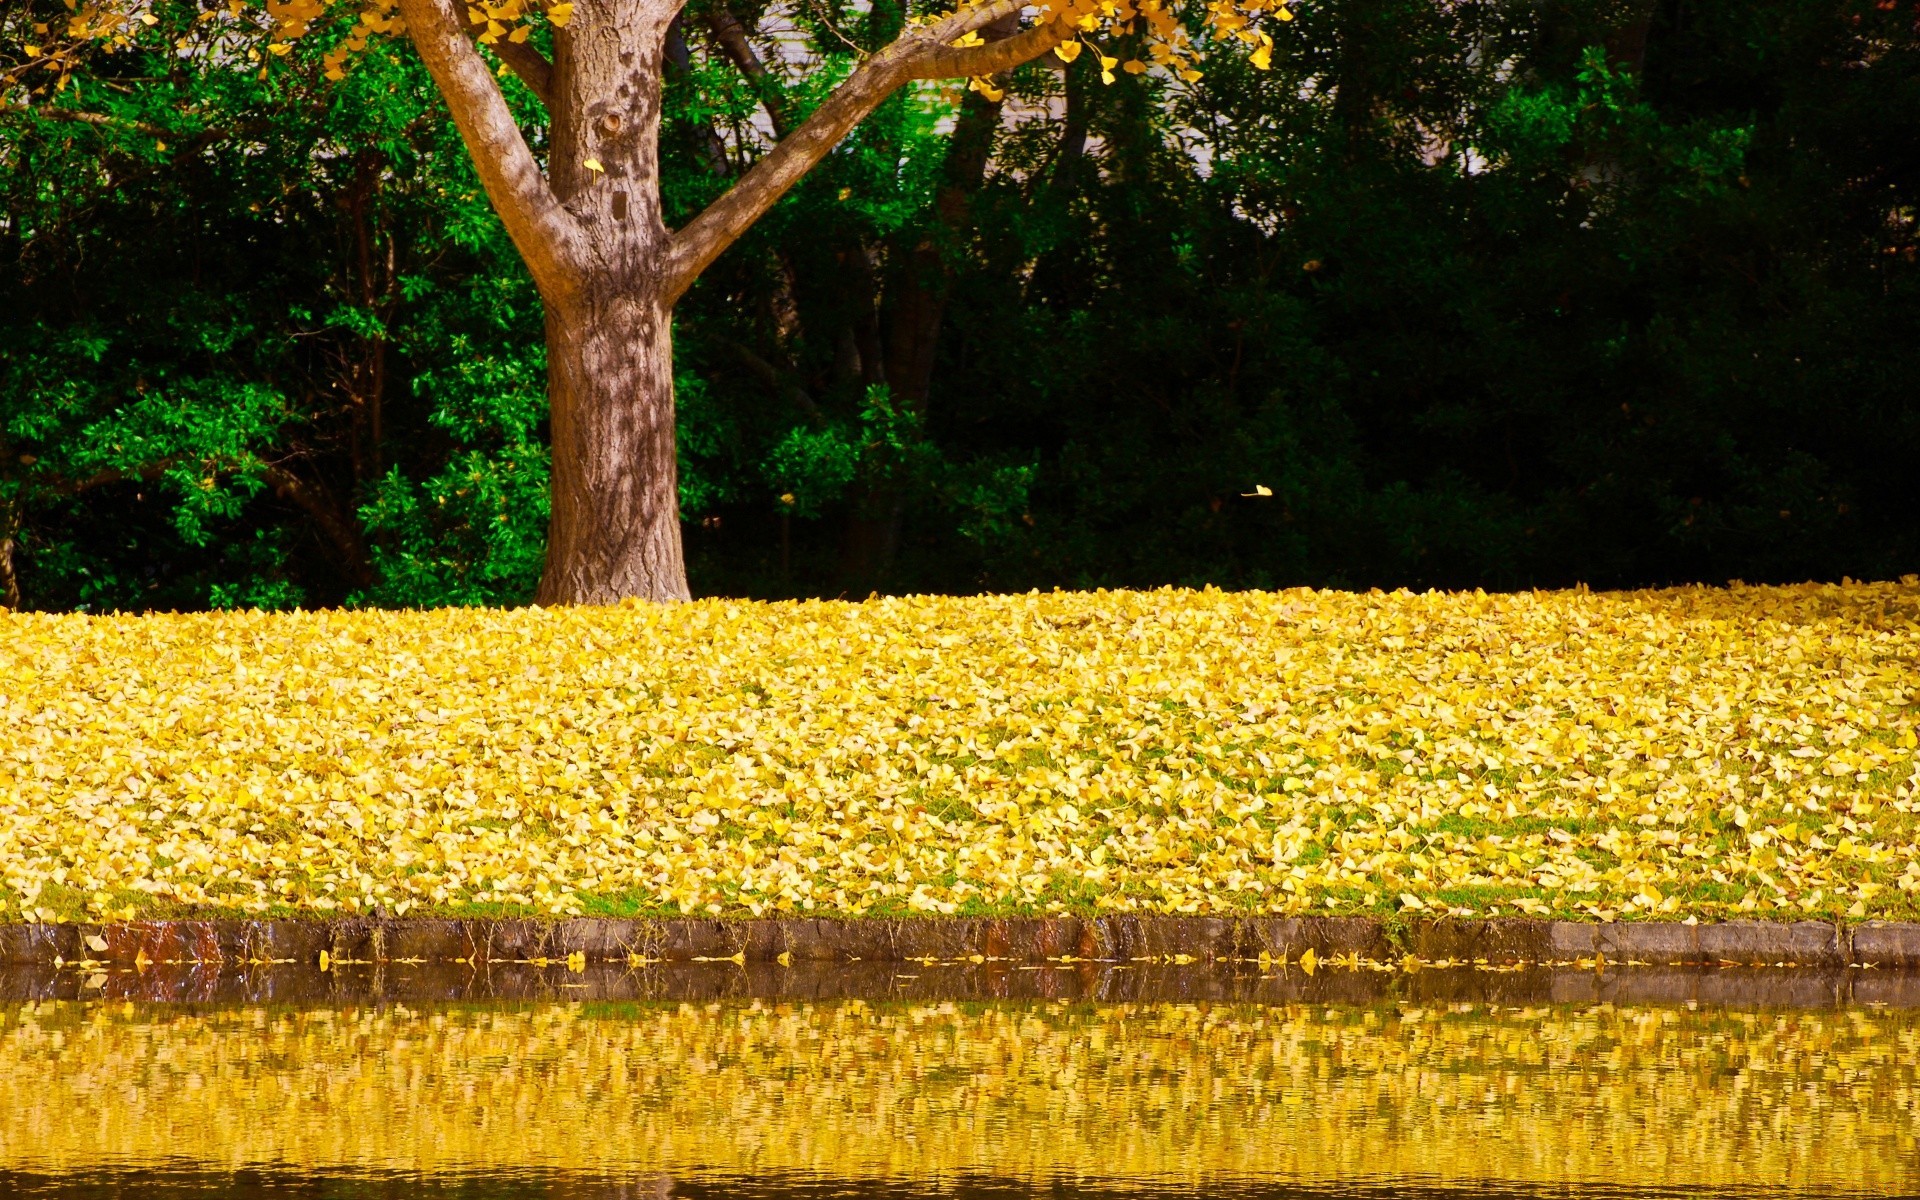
{"x":1697,"y":752}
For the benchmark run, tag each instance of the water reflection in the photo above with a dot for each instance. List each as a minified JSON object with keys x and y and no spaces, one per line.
{"x":254,"y":1184}
{"x":798,"y":1100}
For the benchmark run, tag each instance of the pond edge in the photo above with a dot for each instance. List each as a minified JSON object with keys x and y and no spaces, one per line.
{"x":820,"y":940}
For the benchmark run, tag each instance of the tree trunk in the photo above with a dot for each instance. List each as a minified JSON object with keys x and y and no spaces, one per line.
{"x":608,"y":270}
{"x":615,"y":525}
{"x":615,"y":529}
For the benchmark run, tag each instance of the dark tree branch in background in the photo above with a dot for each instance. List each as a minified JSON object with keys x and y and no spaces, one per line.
{"x":732,"y":39}
{"x":9,"y":578}
{"x":770,"y":375}
{"x":49,"y":113}
{"x":1073,"y":129}
{"x":679,"y":62}
{"x":339,"y":531}
{"x":111,"y":475}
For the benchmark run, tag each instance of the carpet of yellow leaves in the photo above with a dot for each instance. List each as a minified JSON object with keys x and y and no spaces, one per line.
{"x":1809,"y":1103}
{"x":1696,"y":752}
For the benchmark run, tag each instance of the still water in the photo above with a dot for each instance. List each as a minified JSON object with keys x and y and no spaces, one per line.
{"x":991,"y":1099}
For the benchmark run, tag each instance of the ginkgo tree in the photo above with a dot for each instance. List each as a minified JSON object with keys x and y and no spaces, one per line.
{"x":588,"y":220}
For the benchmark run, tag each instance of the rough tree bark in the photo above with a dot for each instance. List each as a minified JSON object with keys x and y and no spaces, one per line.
{"x":607,"y":268}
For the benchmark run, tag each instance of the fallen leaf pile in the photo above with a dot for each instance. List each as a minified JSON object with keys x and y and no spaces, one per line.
{"x":1696,"y":752}
{"x":1808,"y":1103}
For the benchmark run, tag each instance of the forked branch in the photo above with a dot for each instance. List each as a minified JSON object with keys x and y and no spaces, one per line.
{"x":541,"y":229}
{"x":924,"y":53}
{"x":524,"y":61}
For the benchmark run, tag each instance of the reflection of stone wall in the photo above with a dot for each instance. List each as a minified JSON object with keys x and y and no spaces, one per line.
{"x":352,"y":983}
{"x":1186,"y":1092}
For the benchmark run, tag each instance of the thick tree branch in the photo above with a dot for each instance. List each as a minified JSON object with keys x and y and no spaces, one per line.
{"x":923,"y":53}
{"x":963,"y":21}
{"x":959,"y":62}
{"x":731,"y":37}
{"x":543,"y":231}
{"x":523,"y":60}
{"x":701,"y":240}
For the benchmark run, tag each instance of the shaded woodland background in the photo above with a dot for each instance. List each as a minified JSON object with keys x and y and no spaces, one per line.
{"x":1497,"y":294}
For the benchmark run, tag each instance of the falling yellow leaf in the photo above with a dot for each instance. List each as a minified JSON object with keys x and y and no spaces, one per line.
{"x":593,"y":164}
{"x":1259,"y":489}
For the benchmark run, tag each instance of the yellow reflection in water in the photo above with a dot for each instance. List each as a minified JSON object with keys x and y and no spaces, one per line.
{"x":1184,"y":1092}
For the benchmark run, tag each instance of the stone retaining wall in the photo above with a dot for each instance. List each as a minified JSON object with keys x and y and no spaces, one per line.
{"x":1018,"y":940}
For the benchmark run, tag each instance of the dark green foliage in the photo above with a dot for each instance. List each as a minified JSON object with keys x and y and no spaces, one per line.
{"x":1492,"y":294}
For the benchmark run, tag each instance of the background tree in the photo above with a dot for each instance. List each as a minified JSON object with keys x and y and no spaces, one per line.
{"x":588,"y":222}
{"x":1559,"y":302}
